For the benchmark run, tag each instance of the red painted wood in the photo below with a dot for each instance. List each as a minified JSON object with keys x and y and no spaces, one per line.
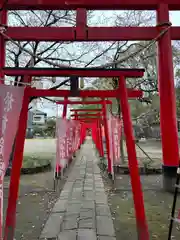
{"x":83,"y":93}
{"x":87,"y":115}
{"x":142,"y":227}
{"x":81,"y":23}
{"x":83,"y":103}
{"x":90,"y":33}
{"x":86,"y":118}
{"x":41,"y":33}
{"x":82,"y":33}
{"x":91,"y":4}
{"x":86,"y":110}
{"x":110,"y":170}
{"x":169,"y":135}
{"x":81,"y":72}
{"x":100,"y":137}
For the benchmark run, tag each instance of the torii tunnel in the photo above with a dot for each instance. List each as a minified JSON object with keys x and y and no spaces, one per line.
{"x":163,"y":33}
{"x":67,"y":102}
{"x":20,"y":137}
{"x":82,"y":32}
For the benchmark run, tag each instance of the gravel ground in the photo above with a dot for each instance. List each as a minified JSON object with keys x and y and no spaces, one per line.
{"x":158,"y":206}
{"x":36,"y":199}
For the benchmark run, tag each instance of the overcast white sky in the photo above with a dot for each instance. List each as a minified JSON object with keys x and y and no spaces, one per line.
{"x":50,"y":109}
{"x":175,"y":18}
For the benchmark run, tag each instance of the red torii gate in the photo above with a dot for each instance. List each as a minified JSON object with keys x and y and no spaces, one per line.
{"x":20,"y":137}
{"x":83,"y":33}
{"x":96,"y":121}
{"x":163,"y":33}
{"x":66,"y":101}
{"x":99,"y":116}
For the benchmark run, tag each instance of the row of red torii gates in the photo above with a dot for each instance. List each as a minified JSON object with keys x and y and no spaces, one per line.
{"x":81,"y":32}
{"x":97,"y":116}
{"x":123,"y":94}
{"x":101,"y":114}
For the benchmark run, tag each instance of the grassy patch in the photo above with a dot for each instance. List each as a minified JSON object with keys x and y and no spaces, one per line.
{"x":32,"y":161}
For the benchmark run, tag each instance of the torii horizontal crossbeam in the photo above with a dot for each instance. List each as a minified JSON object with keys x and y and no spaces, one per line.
{"x":86,"y":110}
{"x":87,"y":121}
{"x":90,"y":120}
{"x":92,"y":33}
{"x":83,"y":93}
{"x":82,"y":102}
{"x":80,"y":72}
{"x":87,"y":115}
{"x":90,"y":4}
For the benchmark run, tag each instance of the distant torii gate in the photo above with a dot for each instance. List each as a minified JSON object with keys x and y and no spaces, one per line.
{"x":98,"y":116}
{"x":96,"y":127}
{"x":97,"y":119}
{"x":67,"y":102}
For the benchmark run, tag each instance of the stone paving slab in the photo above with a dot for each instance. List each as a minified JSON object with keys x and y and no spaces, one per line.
{"x":82,"y":211}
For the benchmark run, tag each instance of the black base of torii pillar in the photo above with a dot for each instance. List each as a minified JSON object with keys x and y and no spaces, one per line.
{"x":169,"y":178}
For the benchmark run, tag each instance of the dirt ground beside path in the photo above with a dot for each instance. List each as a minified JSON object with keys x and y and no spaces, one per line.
{"x":36,"y":195}
{"x":158,"y":206}
{"x":36,"y":198}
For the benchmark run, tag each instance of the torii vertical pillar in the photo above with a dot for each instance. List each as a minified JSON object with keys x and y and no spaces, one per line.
{"x":169,"y":133}
{"x":110,"y":165}
{"x":142,"y":227}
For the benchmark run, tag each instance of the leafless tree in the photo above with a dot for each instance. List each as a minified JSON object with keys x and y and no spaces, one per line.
{"x":79,"y":54}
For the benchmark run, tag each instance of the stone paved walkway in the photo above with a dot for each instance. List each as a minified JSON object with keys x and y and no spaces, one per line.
{"x":82,"y":211}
